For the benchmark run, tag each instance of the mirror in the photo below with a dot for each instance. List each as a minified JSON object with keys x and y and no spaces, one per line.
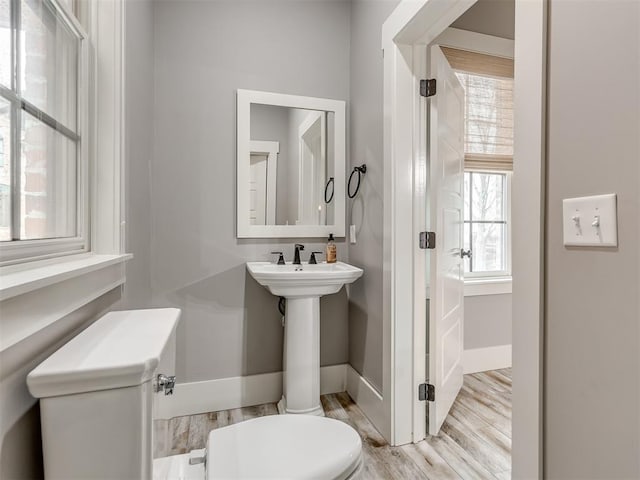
{"x":291,"y":164}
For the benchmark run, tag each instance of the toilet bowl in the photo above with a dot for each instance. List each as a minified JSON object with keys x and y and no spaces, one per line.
{"x":101,"y":392}
{"x":275,"y":447}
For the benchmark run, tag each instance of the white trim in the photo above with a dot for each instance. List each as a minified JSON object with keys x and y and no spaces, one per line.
{"x":476,"y":42}
{"x":23,"y":251}
{"x":366,"y":396}
{"x":65,"y":9}
{"x":528,"y":239}
{"x":17,"y":280}
{"x":244,"y":100}
{"x":412,"y":23}
{"x":27,"y":314}
{"x":487,"y":358}
{"x":487,"y":286}
{"x":108,"y":142}
{"x":237,"y":392}
{"x":489,"y":276}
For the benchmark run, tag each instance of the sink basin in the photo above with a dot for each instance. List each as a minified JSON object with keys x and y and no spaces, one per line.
{"x":306,"y":280}
{"x":302,"y":286}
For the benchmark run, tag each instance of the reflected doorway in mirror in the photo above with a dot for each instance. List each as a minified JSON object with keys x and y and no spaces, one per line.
{"x":262,"y":182}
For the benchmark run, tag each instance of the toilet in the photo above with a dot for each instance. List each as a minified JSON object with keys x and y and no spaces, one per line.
{"x":276,"y":447}
{"x":101,"y":392}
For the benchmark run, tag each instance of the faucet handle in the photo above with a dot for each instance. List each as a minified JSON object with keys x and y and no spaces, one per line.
{"x":280,"y":259}
{"x":312,"y":259}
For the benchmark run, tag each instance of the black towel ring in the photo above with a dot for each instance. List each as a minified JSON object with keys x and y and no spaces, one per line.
{"x":326,"y":188}
{"x":361,"y":170}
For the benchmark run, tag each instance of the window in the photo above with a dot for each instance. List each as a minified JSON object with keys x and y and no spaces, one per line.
{"x":41,"y":188}
{"x":486,"y":232}
{"x":488,"y":143}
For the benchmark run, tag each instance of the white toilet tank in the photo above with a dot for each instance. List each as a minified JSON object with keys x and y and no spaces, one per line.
{"x":97,"y":396}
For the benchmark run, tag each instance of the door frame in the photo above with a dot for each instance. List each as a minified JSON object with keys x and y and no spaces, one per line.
{"x":410,"y":28}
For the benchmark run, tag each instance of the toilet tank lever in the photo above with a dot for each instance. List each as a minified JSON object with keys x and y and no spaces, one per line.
{"x":166,"y":383}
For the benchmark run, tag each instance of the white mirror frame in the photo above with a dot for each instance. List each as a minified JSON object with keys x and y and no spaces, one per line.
{"x":244,"y":228}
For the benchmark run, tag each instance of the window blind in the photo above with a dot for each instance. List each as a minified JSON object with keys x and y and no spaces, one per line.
{"x":488,"y":84}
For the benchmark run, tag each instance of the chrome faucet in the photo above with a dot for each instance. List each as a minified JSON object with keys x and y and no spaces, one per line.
{"x":296,"y":254}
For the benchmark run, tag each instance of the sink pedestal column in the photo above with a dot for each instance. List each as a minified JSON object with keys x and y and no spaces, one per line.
{"x":301,"y":382}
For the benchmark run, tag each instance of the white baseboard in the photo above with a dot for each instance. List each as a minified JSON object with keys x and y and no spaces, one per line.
{"x":488,"y":358}
{"x":367,"y":398}
{"x":333,"y":379}
{"x":236,"y":392}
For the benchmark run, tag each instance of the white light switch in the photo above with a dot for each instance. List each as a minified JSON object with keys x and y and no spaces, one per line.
{"x":590,"y":221}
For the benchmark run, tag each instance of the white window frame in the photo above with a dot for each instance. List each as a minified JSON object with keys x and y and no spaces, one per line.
{"x":506,"y":273}
{"x":499,"y":282}
{"x":20,"y":251}
{"x":76,"y":278}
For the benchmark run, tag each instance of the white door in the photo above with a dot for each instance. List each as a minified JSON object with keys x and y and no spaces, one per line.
{"x":312,"y":169}
{"x":258,"y":189}
{"x":262,"y":182}
{"x":446,"y":318}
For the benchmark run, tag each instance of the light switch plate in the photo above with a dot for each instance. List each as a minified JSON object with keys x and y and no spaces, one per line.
{"x":590,"y":221}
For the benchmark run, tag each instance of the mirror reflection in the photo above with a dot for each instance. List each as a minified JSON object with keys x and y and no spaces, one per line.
{"x":291,"y":166}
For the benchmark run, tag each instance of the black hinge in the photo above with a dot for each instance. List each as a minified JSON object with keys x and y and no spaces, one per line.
{"x":426,"y":391}
{"x":427,"y":240}
{"x":428,"y":87}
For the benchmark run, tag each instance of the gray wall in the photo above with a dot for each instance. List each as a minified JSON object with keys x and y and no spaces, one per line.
{"x":204,"y":51}
{"x":592,"y":355}
{"x":491,"y":17}
{"x":487,"y":321}
{"x":365,"y":211}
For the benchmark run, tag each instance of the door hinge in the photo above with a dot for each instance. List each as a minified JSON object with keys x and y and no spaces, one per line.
{"x":426,"y":391}
{"x":427,"y":240}
{"x":428,"y":87}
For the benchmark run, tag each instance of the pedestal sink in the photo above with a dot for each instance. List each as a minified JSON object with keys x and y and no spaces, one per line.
{"x":302,"y":286}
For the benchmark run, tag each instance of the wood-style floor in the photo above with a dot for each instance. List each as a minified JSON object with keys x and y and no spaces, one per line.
{"x":474,"y":443}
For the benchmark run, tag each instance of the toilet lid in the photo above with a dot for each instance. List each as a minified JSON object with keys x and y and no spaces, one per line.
{"x":284,"y":447}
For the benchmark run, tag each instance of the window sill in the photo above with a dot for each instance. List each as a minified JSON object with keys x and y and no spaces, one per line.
{"x":37,"y":295}
{"x":487,"y":286}
{"x":24,"y":278}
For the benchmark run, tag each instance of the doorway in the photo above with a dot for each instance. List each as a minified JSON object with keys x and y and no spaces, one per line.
{"x":468,"y":192}
{"x":406,"y":36}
